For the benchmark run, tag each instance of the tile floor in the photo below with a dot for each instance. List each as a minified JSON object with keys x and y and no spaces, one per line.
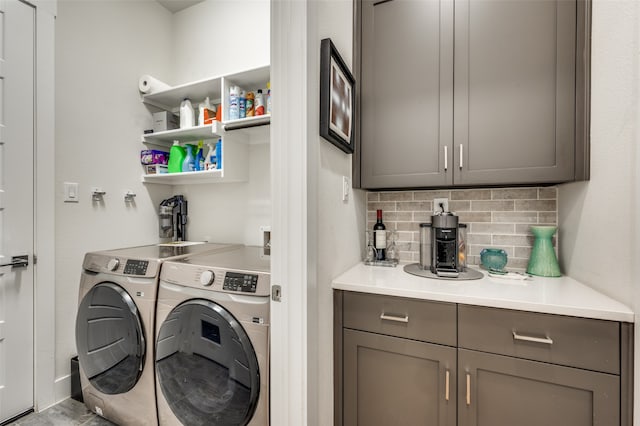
{"x":67,"y":413}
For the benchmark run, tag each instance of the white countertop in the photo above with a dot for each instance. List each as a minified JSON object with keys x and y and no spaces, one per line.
{"x":563,"y":296}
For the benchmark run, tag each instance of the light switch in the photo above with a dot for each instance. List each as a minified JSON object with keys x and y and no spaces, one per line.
{"x":71,"y":192}
{"x":346,"y":188}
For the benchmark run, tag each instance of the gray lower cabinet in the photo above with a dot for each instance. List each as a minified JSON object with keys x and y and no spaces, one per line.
{"x":499,"y":390}
{"x":471,"y":92}
{"x":395,"y":381}
{"x":415,"y":362}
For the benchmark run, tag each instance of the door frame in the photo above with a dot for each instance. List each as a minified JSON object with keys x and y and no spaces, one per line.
{"x":45,"y":394}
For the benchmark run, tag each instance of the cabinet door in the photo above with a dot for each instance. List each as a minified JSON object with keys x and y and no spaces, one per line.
{"x":514,"y":107}
{"x":505,"y":391}
{"x":406,"y":96}
{"x":395,"y":381}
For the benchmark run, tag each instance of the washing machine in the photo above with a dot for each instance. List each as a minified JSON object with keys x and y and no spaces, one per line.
{"x":212,"y":339}
{"x":115,"y":327}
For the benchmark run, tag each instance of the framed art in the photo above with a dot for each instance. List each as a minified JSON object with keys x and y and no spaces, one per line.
{"x":337,"y":98}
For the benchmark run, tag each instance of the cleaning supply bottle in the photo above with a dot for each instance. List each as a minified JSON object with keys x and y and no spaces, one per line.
{"x":268,"y":100}
{"x":186,"y":114}
{"x":219,"y":154}
{"x":189,"y":163}
{"x":199,"y":163}
{"x":249,"y":109}
{"x":208,"y":161}
{"x":234,"y":107}
{"x":259,"y":103}
{"x":176,"y":158}
{"x":242,"y":103}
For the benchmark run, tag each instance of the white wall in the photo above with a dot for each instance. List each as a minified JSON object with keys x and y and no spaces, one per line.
{"x":102,"y":49}
{"x":599,"y":219}
{"x":213,"y":38}
{"x":336,"y":227}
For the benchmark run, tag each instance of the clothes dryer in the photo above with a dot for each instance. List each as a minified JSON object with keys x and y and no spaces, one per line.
{"x":212,"y":339}
{"x":115,"y":328}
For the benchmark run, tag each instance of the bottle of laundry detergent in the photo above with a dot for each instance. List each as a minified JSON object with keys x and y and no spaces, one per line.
{"x":211,"y":162}
{"x":189,"y":163}
{"x":176,"y":158}
{"x":199,"y":164}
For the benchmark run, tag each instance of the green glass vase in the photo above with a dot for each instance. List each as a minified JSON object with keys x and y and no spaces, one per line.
{"x":543,"y":261}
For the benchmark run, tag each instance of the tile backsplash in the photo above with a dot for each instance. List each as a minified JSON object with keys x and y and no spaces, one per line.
{"x":495,"y":218}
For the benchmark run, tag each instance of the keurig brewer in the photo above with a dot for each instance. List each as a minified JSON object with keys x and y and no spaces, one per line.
{"x":442,"y":245}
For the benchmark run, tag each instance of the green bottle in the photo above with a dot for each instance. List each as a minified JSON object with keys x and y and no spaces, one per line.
{"x":177,"y":155}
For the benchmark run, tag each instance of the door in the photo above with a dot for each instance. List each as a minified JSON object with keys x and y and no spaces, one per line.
{"x":110,"y":339}
{"x":206,"y":367}
{"x":514,"y":116}
{"x":499,"y":390}
{"x":406,"y":96}
{"x":17,"y":67}
{"x":394,"y":381}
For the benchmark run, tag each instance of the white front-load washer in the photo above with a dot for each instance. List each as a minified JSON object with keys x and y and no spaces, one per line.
{"x":115,"y":327}
{"x":212,"y":339}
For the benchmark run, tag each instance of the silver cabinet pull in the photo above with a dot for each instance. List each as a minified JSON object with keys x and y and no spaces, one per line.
{"x":446,"y":164}
{"x":396,"y":318}
{"x":461,"y":156}
{"x":545,"y":340}
{"x":446,"y":386}
{"x":17,"y":261}
{"x":468,"y":389}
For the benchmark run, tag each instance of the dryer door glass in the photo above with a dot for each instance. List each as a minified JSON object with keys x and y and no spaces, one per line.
{"x":206,"y":365}
{"x":110,"y":339}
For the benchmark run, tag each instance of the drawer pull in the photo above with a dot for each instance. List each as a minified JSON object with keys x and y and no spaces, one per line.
{"x":468,"y":389}
{"x":545,"y":340}
{"x":396,"y":318}
{"x":446,"y":386}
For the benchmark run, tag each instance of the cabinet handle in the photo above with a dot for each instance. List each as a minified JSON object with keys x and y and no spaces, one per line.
{"x":446,"y":386}
{"x":446,"y":156}
{"x":545,"y":340}
{"x":468,"y":389}
{"x":396,"y":318}
{"x":461,"y":156}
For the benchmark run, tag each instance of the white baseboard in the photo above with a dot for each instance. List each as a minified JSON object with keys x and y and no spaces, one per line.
{"x":62,"y":388}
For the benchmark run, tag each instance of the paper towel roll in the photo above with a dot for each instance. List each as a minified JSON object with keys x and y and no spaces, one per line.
{"x":148,"y":85}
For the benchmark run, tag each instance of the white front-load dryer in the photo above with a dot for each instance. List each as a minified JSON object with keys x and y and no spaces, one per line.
{"x":212,"y":340}
{"x":115,"y":329}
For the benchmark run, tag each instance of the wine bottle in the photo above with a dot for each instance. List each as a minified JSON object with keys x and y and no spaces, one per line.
{"x":380,"y":237}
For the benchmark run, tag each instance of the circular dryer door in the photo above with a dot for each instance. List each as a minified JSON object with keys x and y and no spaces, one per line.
{"x":206,"y":365}
{"x":110,"y":339}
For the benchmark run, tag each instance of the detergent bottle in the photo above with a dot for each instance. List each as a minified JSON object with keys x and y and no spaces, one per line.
{"x":176,"y":158}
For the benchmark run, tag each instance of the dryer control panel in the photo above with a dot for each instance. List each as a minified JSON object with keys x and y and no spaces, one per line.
{"x":246,"y":283}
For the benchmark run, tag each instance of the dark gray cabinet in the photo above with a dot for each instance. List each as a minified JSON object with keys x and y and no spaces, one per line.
{"x":515,"y":113}
{"x":408,"y":361}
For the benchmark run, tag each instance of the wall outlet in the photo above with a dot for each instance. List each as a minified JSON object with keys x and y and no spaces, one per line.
{"x":439,"y":204}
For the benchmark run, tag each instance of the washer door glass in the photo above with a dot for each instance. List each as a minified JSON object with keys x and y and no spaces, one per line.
{"x":206,"y":366}
{"x":110,"y":339}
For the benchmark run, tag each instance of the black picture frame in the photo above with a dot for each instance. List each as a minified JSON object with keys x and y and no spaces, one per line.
{"x":337,"y":98}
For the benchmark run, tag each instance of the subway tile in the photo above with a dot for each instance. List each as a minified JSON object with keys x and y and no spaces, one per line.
{"x":430,"y":195}
{"x":515,"y":217}
{"x":536,"y":205}
{"x":523,"y":229}
{"x":548,"y":193}
{"x":373,"y":196}
{"x":459,"y":206}
{"x":415,"y":246}
{"x":406,"y":256}
{"x":471,"y":194}
{"x":522,"y":252}
{"x":549,"y":218}
{"x":396,"y":196}
{"x":512,"y":240}
{"x":492,"y":228}
{"x":473,"y":260}
{"x":478,"y":239}
{"x":395,"y":216}
{"x":517,"y":263}
{"x":469,"y":217}
{"x":384,"y":206}
{"x":515,"y":194}
{"x":408,"y":226}
{"x":405,"y":236}
{"x":492,"y":206}
{"x":413,"y":206}
{"x":422,"y":217}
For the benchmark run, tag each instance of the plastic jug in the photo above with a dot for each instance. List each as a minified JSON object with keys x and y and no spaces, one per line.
{"x":176,"y":158}
{"x":189,"y":163}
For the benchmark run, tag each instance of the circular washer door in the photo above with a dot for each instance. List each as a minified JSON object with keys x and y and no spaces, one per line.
{"x":110,"y":339}
{"x":206,"y":365}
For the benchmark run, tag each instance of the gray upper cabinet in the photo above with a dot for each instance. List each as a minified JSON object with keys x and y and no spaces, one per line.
{"x":500,"y":100}
{"x":406,"y":98}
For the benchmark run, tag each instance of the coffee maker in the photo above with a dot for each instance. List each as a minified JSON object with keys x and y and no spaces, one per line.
{"x":442,"y":245}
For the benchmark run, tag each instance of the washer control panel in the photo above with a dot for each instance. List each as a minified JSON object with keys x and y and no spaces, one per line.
{"x":246,"y":283}
{"x":136,"y":267}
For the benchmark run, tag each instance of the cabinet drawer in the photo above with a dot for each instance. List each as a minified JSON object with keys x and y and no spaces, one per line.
{"x":577,"y":342}
{"x":395,"y":316}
